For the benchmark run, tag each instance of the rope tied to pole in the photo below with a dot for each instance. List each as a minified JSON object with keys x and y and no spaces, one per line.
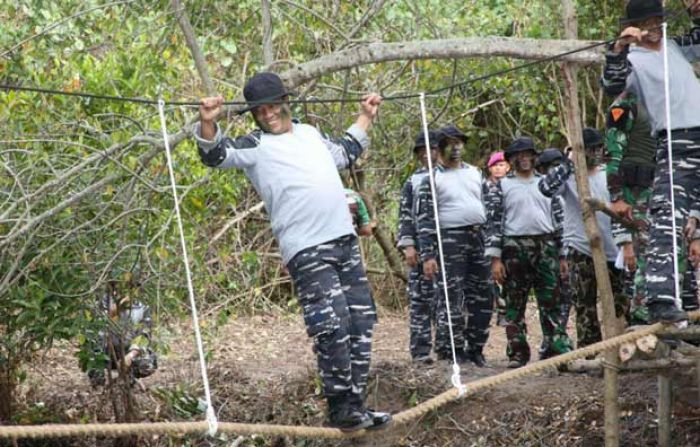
{"x":210,"y":413}
{"x":456,"y":378}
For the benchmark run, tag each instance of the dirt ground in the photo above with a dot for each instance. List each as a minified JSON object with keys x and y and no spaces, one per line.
{"x":262,"y":370}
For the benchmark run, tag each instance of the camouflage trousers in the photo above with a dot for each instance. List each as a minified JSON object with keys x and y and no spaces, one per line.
{"x":532,"y":262}
{"x":686,"y":189}
{"x":422,"y":297}
{"x":471,"y":307}
{"x":635,"y":282}
{"x":584,"y":294}
{"x":339,"y":312}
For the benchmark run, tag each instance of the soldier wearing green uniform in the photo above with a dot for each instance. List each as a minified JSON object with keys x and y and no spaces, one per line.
{"x":630,"y":171}
{"x":521,"y":242}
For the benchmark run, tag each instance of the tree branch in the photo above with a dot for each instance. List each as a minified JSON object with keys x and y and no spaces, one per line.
{"x":192,"y":44}
{"x":268,"y":54}
{"x":464,"y":48}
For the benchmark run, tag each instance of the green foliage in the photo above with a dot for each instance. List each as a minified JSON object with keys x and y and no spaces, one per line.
{"x":180,"y":400}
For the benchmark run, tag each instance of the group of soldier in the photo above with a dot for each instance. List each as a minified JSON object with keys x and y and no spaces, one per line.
{"x":484,"y":240}
{"x":528,"y":225}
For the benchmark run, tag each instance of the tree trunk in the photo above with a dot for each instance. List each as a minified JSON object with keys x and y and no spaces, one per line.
{"x":191,"y":40}
{"x":268,"y":54}
{"x":610,"y":327}
{"x":7,"y":388}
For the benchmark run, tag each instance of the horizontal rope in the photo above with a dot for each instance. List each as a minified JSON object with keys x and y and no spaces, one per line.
{"x":324,"y":100}
{"x":404,"y":417}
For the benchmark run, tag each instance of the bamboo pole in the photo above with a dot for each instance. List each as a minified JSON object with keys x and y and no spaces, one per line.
{"x":610,"y":326}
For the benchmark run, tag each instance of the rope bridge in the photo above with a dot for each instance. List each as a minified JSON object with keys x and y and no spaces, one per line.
{"x":402,"y":418}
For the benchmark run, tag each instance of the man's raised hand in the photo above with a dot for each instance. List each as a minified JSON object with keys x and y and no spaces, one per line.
{"x":210,"y":108}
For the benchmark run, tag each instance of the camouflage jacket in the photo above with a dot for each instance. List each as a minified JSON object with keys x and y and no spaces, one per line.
{"x":408,"y":210}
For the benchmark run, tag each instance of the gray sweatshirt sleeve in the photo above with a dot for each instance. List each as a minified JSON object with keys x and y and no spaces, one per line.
{"x":223,"y":152}
{"x":348,"y":148}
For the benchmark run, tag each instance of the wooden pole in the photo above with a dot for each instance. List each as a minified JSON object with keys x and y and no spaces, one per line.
{"x":610,"y":325}
{"x":665,"y":404}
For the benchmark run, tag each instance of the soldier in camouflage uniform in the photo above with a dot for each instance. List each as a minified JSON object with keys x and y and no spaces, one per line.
{"x":630,"y":169}
{"x":584,"y":290}
{"x":421,"y":291}
{"x":498,"y":168}
{"x":639,"y":69}
{"x":125,"y":342}
{"x":295,"y":170}
{"x":521,"y":242}
{"x":459,"y":190}
{"x":630,"y":172}
{"x":546,"y":161}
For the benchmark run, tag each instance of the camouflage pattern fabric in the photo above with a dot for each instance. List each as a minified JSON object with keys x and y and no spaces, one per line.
{"x":339,"y":313}
{"x":686,"y":171}
{"x":467,"y":272}
{"x":584,"y":294}
{"x":532,"y":262}
{"x":422,"y":296}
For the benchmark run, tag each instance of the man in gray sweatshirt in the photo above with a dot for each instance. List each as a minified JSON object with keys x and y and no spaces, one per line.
{"x":640,"y":70}
{"x":459,"y":190}
{"x":584,"y":288}
{"x":295,"y":170}
{"x":521,"y":243}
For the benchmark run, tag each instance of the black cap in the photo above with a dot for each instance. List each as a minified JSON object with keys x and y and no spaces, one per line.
{"x":521,"y":144}
{"x":592,"y":138}
{"x":450,"y":131}
{"x":548,"y":156}
{"x":433,"y":137}
{"x":638,"y":10}
{"x":263,"y":88}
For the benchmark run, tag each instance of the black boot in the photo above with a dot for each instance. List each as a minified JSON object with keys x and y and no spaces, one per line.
{"x":476,"y":357}
{"x":343,"y":415}
{"x":665,"y":312}
{"x":379,"y":419}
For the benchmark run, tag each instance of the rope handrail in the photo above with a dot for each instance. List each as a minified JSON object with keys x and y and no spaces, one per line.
{"x":146,"y":428}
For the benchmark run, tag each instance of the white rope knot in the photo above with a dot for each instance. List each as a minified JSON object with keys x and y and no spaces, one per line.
{"x":212,"y":420}
{"x":457,"y":380}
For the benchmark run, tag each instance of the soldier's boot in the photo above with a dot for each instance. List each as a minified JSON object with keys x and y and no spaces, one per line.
{"x":343,"y":415}
{"x":665,"y":312}
{"x":422,"y":360}
{"x":378,"y":419}
{"x":545,"y":351}
{"x":476,"y":356}
{"x":516,"y":362}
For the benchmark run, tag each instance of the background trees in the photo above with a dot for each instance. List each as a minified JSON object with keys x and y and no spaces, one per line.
{"x":84,"y":193}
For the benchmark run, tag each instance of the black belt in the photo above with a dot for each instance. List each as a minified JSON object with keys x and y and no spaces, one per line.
{"x":662,"y":133}
{"x":539,"y":237}
{"x":469,"y":228}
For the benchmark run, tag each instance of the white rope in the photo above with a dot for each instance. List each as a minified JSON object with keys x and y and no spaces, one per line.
{"x":669,"y":149}
{"x":210,"y":413}
{"x":456,"y":376}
